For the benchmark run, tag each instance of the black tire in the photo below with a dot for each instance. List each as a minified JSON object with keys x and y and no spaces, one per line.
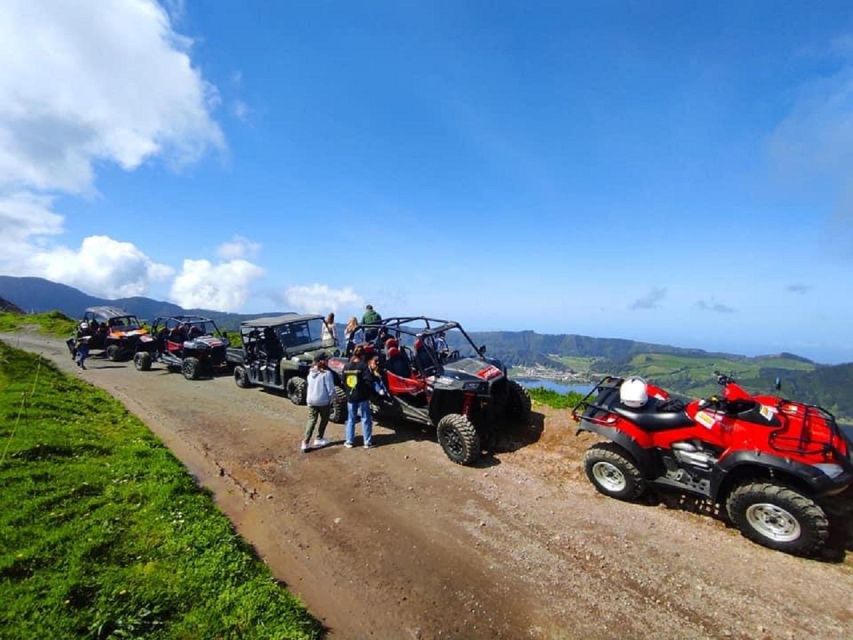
{"x":241,"y":377}
{"x":459,"y":439}
{"x":297,"y":390}
{"x":338,"y":414}
{"x":113,"y":353}
{"x":191,"y":368}
{"x":142,"y":361}
{"x":519,"y":403}
{"x":778,"y":517}
{"x":613,"y":472}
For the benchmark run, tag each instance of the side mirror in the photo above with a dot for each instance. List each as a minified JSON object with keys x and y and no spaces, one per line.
{"x":482,"y":350}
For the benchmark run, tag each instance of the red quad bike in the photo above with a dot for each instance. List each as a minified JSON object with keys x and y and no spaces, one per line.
{"x":773,"y":463}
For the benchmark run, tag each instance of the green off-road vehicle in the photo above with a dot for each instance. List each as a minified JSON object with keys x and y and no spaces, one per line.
{"x":278,"y":352}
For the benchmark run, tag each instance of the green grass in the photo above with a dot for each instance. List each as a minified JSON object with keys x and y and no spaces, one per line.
{"x":693,"y":375}
{"x":580,"y":364}
{"x":53,"y":323}
{"x":103,"y":533}
{"x":555,"y":399}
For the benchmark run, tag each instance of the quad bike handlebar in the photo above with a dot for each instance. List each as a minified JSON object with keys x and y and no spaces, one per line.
{"x":723,"y":379}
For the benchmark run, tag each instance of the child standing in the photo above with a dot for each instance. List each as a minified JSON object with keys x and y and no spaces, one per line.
{"x":321,"y":390}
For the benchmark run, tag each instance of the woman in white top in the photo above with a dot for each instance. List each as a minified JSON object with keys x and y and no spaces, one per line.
{"x":329,"y":331}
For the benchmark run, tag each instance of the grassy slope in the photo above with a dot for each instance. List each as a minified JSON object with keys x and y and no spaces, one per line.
{"x":52,"y":323}
{"x":693,"y":375}
{"x":556,"y":400}
{"x":103,"y":532}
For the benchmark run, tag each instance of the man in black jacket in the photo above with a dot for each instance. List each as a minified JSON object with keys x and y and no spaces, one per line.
{"x":358,"y":384}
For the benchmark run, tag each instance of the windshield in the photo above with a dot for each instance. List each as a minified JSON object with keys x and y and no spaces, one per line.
{"x":201,"y":328}
{"x":298,"y":334}
{"x":124,"y":323}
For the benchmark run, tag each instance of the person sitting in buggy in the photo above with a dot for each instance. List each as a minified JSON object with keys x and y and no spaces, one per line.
{"x":423,"y":359}
{"x":396,"y":361}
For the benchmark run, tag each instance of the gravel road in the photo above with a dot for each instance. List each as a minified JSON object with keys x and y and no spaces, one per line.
{"x":397,"y":542}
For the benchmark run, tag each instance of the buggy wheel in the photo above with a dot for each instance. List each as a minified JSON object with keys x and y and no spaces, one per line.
{"x":519,"y":403}
{"x":241,"y":377}
{"x":297,"y":390}
{"x":142,"y":361}
{"x":612,"y":471}
{"x":338,"y":414}
{"x":459,"y":439}
{"x":778,"y":517}
{"x":191,"y":368}
{"x":113,"y":352}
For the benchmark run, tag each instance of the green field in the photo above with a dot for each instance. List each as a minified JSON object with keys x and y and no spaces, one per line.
{"x":103,"y":533}
{"x":51,"y":323}
{"x":579,"y":364}
{"x":694,"y":375}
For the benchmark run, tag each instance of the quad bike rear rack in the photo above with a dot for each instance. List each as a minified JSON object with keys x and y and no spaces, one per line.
{"x":599,"y":412}
{"x":812,"y":438}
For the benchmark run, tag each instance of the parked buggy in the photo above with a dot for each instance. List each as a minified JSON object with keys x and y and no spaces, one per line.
{"x":110,"y":329}
{"x":193,"y":345}
{"x":277,"y":353}
{"x":436,"y":376}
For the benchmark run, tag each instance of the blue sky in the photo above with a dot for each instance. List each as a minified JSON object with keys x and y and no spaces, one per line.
{"x":671,"y":172}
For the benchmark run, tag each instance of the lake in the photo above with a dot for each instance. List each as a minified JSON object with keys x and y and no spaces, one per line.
{"x":553,"y":385}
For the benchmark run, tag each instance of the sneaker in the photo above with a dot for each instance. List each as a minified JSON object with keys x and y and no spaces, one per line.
{"x":348,"y":445}
{"x":368,"y":445}
{"x":320,"y":442}
{"x":304,"y":447}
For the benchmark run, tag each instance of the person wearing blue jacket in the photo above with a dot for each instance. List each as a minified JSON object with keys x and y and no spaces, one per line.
{"x":321,"y":391}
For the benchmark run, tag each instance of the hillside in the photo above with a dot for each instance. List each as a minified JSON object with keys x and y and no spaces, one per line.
{"x":9,"y":307}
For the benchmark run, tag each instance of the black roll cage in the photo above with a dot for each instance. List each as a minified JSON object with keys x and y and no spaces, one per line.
{"x":396,"y":326}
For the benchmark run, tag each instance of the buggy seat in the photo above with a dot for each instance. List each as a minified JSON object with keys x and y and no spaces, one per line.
{"x":398,"y":385}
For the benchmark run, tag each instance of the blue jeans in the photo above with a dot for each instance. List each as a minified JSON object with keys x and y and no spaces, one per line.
{"x":362,"y":408}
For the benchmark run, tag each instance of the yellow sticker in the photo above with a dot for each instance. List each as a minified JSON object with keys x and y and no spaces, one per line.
{"x":351,"y":380}
{"x":705,"y":419}
{"x":767,"y":412}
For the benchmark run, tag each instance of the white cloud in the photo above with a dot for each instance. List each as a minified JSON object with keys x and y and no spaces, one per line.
{"x":817,"y":136}
{"x":651,"y":300}
{"x":321,"y":298}
{"x":222,"y":287}
{"x":24,"y":215}
{"x":82,"y":84}
{"x":241,"y":110}
{"x":238,"y":247}
{"x":101,"y":266}
{"x":103,"y":80}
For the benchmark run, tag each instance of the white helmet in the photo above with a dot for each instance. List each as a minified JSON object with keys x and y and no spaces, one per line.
{"x":634,"y":392}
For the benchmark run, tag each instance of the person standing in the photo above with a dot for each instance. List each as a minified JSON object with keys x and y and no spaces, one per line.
{"x":370,"y":317}
{"x":349,"y":336}
{"x":329,"y":331}
{"x":358,"y":385}
{"x":81,"y":351}
{"x":321,"y":390}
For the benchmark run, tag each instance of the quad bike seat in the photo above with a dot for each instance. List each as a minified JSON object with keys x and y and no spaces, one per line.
{"x":650,"y":419}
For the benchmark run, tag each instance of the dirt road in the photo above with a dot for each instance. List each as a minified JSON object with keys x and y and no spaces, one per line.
{"x":397,"y":542}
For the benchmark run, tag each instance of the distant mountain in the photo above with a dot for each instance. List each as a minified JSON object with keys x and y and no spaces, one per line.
{"x":9,"y":307}
{"x":35,"y":295}
{"x":830,"y":387}
{"x":529,"y":347}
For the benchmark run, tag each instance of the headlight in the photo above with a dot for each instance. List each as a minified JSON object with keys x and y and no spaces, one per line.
{"x":831,"y":470}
